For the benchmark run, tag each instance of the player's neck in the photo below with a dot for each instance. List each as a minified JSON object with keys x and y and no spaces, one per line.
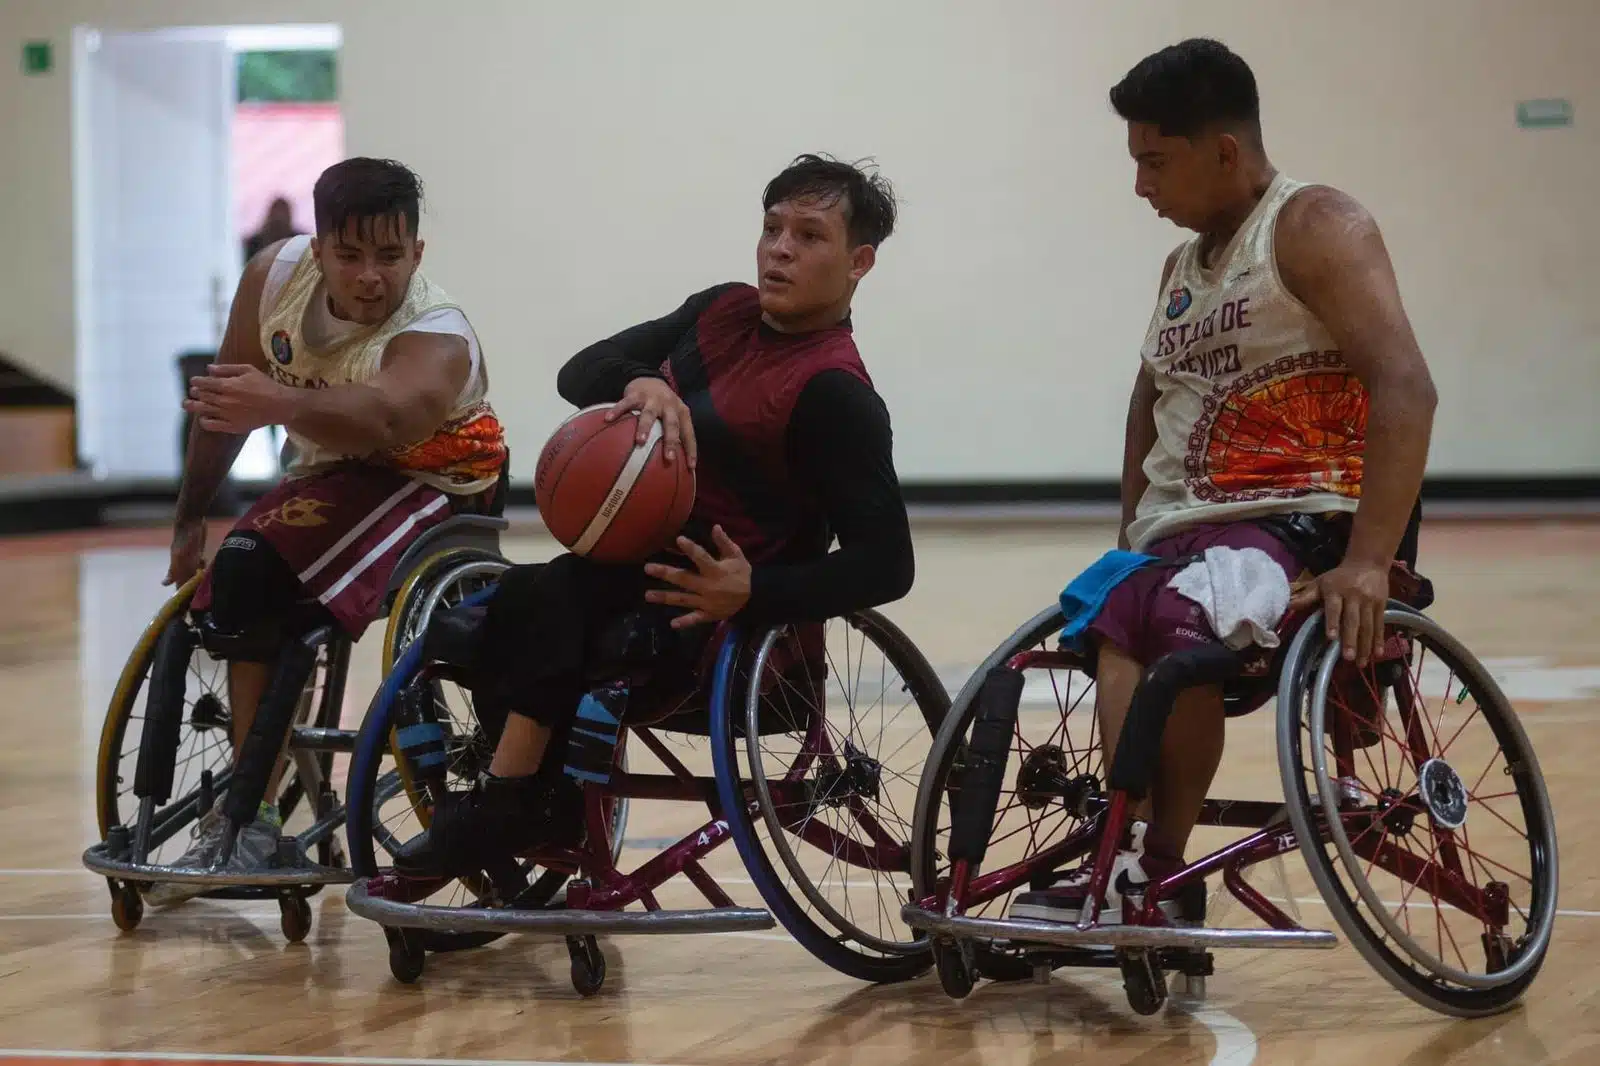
{"x":1227,"y":221}
{"x":827,"y":318}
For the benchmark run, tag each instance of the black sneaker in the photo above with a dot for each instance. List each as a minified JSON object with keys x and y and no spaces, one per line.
{"x":498,"y":818}
{"x":1064,"y":900}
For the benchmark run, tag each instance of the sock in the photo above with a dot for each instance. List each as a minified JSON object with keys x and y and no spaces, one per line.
{"x":592,"y":741}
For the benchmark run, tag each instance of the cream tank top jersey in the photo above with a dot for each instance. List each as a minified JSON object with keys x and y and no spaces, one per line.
{"x":307,"y":347}
{"x":1256,"y":412}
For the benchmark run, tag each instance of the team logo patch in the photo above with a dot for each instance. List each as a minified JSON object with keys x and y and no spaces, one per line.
{"x":281,"y":350}
{"x":1178,"y":302}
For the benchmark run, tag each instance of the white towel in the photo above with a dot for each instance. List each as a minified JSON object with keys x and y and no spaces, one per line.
{"x":1242,"y":591}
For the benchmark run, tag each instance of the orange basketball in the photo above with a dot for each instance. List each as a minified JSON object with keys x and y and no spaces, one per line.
{"x":607,"y":497}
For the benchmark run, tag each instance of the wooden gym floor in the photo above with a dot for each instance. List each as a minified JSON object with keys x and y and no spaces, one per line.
{"x":212,"y":981}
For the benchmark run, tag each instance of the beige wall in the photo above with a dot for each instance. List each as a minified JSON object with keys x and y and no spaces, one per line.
{"x":590,"y":164}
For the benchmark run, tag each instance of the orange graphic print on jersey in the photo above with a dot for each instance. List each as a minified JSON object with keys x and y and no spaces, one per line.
{"x":465,"y":449}
{"x":1286,"y":437}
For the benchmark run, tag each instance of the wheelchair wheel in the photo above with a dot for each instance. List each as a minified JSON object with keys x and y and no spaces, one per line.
{"x":817,"y":776}
{"x":1054,"y":776}
{"x":204,"y":753}
{"x":1441,"y":863}
{"x":440,"y":581}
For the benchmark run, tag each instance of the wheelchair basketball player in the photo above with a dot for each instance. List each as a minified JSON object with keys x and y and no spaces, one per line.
{"x":762,"y":389}
{"x":1282,"y":405}
{"x":379,"y":381}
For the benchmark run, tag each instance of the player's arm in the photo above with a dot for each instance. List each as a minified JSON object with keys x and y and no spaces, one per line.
{"x":1139,"y":433}
{"x":212,"y":452}
{"x":1332,"y":258}
{"x":601,"y":372}
{"x":412,"y":394}
{"x":842,"y":443}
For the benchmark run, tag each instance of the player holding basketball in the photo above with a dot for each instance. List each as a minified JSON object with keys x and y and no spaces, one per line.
{"x":1282,"y":404}
{"x":761,"y":388}
{"x":379,"y":382}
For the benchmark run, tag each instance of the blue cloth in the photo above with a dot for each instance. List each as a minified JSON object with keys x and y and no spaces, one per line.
{"x":1083,"y":598}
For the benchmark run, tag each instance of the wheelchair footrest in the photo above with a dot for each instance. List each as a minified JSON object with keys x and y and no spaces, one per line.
{"x":98,"y":860}
{"x":1025,"y":930}
{"x":555,"y":921}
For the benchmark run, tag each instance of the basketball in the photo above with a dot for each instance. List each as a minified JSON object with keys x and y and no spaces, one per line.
{"x":605,"y":496}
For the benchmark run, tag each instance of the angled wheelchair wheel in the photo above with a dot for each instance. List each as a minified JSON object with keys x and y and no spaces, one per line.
{"x":1052,"y":787}
{"x":203,"y":755}
{"x":1440,"y":864}
{"x":439,"y":582}
{"x":817,"y":772}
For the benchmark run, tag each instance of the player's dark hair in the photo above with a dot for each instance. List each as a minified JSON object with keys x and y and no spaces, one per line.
{"x":366,"y":190}
{"x":869,"y":204}
{"x":1188,"y":88}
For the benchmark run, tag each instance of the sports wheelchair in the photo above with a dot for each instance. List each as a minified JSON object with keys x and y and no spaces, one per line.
{"x":179,"y":741}
{"x":812,"y":760}
{"x":1380,"y":768}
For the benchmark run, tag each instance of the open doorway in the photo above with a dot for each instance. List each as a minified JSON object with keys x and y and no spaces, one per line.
{"x":185,"y":140}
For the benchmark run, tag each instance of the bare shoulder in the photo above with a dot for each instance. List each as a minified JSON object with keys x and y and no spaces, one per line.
{"x":1321,"y":230}
{"x":419,"y":346}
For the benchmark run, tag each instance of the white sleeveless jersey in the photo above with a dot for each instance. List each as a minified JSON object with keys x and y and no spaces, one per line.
{"x":1256,"y":412}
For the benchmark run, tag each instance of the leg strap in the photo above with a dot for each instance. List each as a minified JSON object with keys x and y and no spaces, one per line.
{"x":258,"y":756}
{"x":1139,"y":748}
{"x":976,"y":795}
{"x":158,"y":744}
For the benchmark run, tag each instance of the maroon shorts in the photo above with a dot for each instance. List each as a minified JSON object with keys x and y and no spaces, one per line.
{"x":342,"y":531}
{"x":1146,"y":619}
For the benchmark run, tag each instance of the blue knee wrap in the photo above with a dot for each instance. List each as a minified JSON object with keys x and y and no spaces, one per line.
{"x":592,"y":741}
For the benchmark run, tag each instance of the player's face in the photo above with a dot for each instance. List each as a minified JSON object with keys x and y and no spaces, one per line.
{"x":1182,"y":179}
{"x":368,"y":268}
{"x":804,"y":261}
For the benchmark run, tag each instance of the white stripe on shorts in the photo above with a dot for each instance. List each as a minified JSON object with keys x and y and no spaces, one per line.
{"x":360,"y":527}
{"x":384,"y":545}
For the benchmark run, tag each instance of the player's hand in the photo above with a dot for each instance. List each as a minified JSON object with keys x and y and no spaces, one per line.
{"x":188,"y":547}
{"x":1353,"y":597}
{"x":654,"y":399}
{"x":714,"y":590}
{"x":236,"y":398}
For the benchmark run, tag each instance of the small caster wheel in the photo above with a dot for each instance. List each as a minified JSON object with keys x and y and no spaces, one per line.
{"x":127,"y":908}
{"x":1193,"y":989}
{"x":955,"y":973}
{"x":406,"y":960}
{"x":1143,"y":980}
{"x":294,"y":917}
{"x":588,"y":965}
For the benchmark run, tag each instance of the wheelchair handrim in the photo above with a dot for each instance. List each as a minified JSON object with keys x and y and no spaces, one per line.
{"x":779,"y":835}
{"x":1328,"y":791}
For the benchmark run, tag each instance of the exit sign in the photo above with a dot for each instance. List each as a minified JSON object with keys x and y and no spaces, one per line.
{"x":1544,"y":114}
{"x":36,"y":57}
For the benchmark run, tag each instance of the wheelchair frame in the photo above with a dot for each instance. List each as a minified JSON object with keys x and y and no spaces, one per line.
{"x":122,"y":854}
{"x":1147,"y":943}
{"x":598,"y":891}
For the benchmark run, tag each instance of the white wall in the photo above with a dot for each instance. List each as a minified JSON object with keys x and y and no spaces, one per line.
{"x":590,"y":164}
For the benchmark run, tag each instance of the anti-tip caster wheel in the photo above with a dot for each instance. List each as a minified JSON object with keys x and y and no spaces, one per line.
{"x":127,"y":908}
{"x":1143,"y":980}
{"x":588,"y":965}
{"x":406,"y":960}
{"x":294,"y":917}
{"x":955,"y":973}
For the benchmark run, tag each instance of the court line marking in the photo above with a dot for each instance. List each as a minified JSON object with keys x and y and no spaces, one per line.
{"x":351,"y":1060}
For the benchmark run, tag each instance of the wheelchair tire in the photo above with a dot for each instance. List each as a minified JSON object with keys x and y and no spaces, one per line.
{"x":114,"y":809}
{"x":832,"y":937}
{"x":949,"y":748}
{"x":1302,"y":719}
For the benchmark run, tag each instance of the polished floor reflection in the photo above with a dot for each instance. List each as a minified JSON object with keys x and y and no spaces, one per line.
{"x":217,"y":978}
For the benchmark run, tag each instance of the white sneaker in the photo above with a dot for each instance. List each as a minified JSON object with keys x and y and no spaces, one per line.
{"x":207,"y":833}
